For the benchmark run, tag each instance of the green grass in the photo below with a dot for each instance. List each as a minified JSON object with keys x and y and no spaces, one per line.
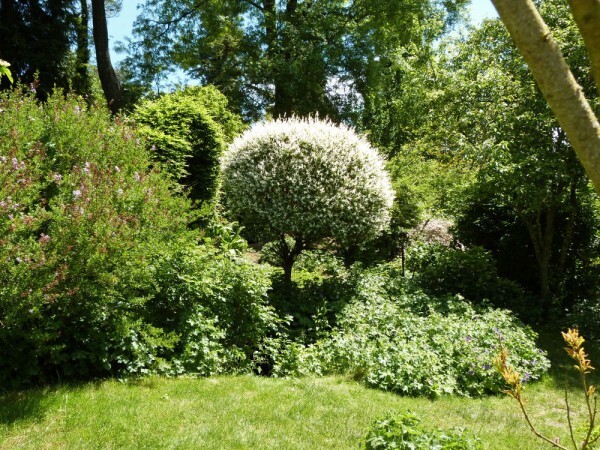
{"x":254,"y":412}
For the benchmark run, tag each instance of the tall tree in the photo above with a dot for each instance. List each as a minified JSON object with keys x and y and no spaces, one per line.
{"x":475,"y":104}
{"x":108,"y":78}
{"x":527,"y":170}
{"x":81,"y":80}
{"x":35,"y":37}
{"x":282,"y":56}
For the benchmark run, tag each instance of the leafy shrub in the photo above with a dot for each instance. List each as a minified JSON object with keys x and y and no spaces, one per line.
{"x":398,"y":339}
{"x":404,"y":432}
{"x":187,"y":131}
{"x":312,"y":301}
{"x":81,"y":214}
{"x":217,"y":303}
{"x":307,"y":180}
{"x":441,"y":270}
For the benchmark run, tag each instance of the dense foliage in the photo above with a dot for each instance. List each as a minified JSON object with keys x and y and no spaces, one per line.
{"x":283,"y":57}
{"x":187,"y":131}
{"x":99,"y":273}
{"x":394,"y":337}
{"x":106,"y":268}
{"x":308,"y":180}
{"x":216,"y":304}
{"x":517,"y":189}
{"x":470,"y":272}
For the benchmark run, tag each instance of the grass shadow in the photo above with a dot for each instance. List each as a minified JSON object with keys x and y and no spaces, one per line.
{"x":32,"y":404}
{"x":562,"y":373}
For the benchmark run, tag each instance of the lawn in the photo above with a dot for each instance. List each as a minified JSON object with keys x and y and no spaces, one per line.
{"x":259,"y":412}
{"x":250,"y":412}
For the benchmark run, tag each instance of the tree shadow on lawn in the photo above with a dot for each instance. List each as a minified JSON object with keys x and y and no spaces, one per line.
{"x":32,"y":404}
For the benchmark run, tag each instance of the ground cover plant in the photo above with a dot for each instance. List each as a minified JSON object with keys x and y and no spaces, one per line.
{"x":394,"y":337}
{"x":405,"y":432}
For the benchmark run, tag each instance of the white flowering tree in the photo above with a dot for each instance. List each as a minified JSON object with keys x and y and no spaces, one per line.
{"x":299,"y":181}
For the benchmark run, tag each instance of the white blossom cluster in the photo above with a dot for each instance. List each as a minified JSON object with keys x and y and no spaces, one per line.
{"x":307,"y":178}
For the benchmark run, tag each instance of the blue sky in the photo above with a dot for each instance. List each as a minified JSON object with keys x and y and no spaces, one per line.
{"x":120,"y":27}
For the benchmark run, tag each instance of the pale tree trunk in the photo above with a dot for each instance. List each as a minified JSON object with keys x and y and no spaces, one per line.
{"x":587,"y":16}
{"x":555,"y":80}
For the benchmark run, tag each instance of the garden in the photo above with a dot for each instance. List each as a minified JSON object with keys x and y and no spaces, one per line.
{"x":265,"y":260}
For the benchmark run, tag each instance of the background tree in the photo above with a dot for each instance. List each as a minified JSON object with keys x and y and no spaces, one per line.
{"x":36,"y":38}
{"x":556,"y":81}
{"x":298,"y":182}
{"x":281,"y":57}
{"x":530,"y":200}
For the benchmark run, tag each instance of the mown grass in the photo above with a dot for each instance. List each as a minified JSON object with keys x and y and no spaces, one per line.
{"x":255,"y":412}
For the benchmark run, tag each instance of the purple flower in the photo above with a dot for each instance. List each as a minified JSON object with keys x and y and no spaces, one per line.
{"x":76,"y":193}
{"x":469,"y":338}
{"x":57,"y":177}
{"x":136,"y":176}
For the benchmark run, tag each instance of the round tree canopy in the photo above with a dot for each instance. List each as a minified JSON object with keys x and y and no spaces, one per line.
{"x":309,"y":179}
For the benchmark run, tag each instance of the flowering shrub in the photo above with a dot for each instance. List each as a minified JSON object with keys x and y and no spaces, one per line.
{"x":81,"y":214}
{"x":401,"y":340}
{"x":306,"y":179}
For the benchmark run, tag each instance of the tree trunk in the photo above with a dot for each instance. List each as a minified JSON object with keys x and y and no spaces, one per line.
{"x":288,"y":256}
{"x":108,"y":78}
{"x":567,"y":238}
{"x":556,"y":82}
{"x":587,"y":16}
{"x":283,"y":106}
{"x":81,"y":82}
{"x":542,"y":236}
